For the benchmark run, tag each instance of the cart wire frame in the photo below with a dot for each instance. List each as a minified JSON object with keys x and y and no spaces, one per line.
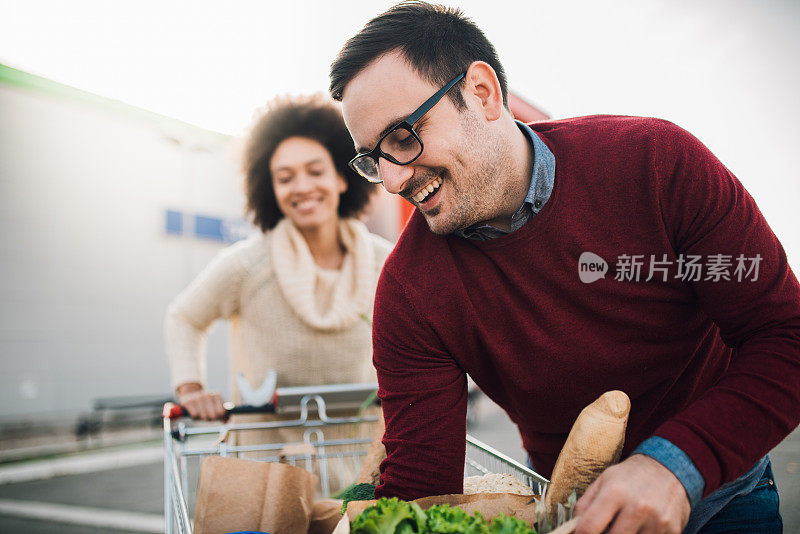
{"x":480,"y":458}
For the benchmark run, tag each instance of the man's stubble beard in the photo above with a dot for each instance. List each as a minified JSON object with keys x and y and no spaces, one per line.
{"x":475,"y":196}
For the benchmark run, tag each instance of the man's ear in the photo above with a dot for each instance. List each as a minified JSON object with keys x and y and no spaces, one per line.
{"x":482,"y":85}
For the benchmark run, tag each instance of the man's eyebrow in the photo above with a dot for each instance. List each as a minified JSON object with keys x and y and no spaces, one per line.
{"x":392,"y":125}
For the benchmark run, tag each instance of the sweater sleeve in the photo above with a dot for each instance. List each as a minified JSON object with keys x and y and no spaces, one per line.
{"x":213,"y":295}
{"x":423,"y":393}
{"x":708,"y":213}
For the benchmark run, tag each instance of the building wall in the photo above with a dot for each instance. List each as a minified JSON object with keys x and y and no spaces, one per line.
{"x":86,"y":265}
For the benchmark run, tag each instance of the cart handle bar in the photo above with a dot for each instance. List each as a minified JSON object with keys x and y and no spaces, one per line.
{"x":176,"y":411}
{"x":289,"y":396}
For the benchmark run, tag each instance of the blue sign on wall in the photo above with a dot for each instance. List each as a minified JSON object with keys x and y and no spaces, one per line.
{"x":226,"y":230}
{"x":174,"y":222}
{"x":208,"y":227}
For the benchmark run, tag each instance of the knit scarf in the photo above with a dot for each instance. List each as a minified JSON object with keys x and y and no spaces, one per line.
{"x":297,"y":275}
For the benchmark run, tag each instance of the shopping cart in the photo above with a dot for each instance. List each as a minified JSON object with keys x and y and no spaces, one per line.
{"x":186,"y":442}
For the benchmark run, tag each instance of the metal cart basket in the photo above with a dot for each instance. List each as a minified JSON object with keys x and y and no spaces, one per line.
{"x":186,"y":443}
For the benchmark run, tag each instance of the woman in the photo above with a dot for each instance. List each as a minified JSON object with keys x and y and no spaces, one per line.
{"x":298,"y":294}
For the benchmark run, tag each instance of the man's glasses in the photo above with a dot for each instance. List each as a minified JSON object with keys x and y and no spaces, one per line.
{"x":401,"y":145}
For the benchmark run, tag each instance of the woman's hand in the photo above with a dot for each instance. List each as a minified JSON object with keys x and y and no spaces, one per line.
{"x":200,"y":404}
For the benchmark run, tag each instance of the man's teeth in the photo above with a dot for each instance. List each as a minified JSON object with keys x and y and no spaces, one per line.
{"x":427,"y":190}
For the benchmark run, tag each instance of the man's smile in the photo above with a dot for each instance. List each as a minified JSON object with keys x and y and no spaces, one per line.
{"x":427,"y":190}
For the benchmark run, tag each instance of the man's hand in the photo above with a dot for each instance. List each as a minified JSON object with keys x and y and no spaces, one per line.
{"x":637,"y":495}
{"x":200,"y":404}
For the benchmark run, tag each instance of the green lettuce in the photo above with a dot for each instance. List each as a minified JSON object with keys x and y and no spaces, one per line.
{"x":504,"y":524}
{"x":393,"y":516}
{"x":390,"y":516}
{"x":442,"y":519}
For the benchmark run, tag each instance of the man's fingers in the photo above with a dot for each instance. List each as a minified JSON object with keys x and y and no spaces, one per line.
{"x":601,"y":511}
{"x":586,"y":499}
{"x":638,"y":495}
{"x":631,"y":519}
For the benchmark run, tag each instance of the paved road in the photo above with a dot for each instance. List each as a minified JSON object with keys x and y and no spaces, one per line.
{"x":125,"y":496}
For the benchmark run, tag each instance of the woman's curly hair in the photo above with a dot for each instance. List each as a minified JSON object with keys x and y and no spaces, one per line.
{"x":314,"y":117}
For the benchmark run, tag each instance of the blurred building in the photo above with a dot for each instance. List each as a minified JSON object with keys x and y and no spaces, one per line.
{"x":107,"y":212}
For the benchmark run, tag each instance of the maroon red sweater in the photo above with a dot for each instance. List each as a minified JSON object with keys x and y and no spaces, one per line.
{"x":711,"y":365}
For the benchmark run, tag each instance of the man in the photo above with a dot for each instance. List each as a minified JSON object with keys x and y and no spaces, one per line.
{"x":559,"y":260}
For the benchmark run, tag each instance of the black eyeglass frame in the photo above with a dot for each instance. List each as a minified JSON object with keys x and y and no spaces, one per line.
{"x":408,"y":125}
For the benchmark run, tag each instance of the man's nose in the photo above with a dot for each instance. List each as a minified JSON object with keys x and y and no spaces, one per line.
{"x":395,"y":177}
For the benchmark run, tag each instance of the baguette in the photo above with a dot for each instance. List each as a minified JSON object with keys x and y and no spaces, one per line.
{"x":371,"y":468}
{"x":594,"y":443}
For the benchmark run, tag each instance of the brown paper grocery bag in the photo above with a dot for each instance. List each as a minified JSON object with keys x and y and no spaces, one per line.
{"x":235,"y":494}
{"x":325,"y":515}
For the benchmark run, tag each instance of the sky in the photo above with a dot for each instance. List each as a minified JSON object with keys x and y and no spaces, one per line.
{"x":727,"y":70}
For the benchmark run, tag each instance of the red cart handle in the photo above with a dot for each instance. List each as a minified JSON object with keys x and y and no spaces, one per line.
{"x":172,"y":411}
{"x":175,"y":411}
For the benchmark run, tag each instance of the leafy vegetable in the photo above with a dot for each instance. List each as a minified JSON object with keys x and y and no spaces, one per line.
{"x":504,"y":524}
{"x":393,"y":516}
{"x":342,"y":492}
{"x":442,"y":519}
{"x":390,"y":516}
{"x":356,"y":492}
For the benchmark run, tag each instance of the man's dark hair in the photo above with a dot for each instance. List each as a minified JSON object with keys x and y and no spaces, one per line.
{"x":438,"y":41}
{"x":313,"y":117}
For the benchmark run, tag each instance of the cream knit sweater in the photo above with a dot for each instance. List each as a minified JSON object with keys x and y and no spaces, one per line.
{"x":313,"y":326}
